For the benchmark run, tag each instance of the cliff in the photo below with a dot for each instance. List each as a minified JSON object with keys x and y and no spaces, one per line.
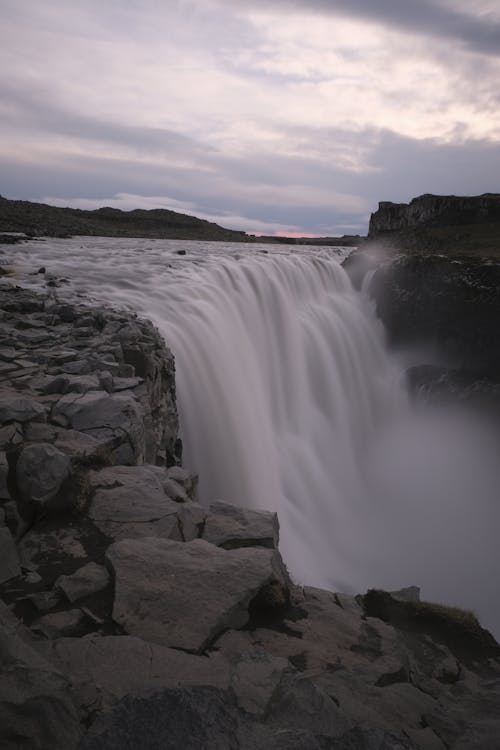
{"x":437,"y":223}
{"x":133,"y":616}
{"x":41,"y":220}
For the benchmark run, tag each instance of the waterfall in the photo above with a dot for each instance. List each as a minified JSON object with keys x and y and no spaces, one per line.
{"x":282,"y":384}
{"x":290,"y":401}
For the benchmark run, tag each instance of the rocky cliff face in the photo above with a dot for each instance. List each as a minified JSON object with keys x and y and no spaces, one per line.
{"x":133,"y":616}
{"x":439,"y":224}
{"x":443,"y":210}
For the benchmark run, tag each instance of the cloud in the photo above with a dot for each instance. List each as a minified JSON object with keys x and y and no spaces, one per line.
{"x":478,"y":31}
{"x":279,"y":114}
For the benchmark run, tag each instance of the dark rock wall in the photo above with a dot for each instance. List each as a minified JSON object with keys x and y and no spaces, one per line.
{"x":451,"y":303}
{"x":443,"y":210}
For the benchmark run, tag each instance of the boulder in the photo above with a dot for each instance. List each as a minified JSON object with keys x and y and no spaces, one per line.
{"x":20,"y":409}
{"x":155,"y":579}
{"x":229,"y":526}
{"x":58,"y":624}
{"x":130,"y":502}
{"x":41,"y":471}
{"x":95,"y":411}
{"x":87,"y":580}
{"x":36,"y":706}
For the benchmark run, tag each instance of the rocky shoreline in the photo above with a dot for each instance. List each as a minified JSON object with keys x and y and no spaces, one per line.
{"x":134,"y":617}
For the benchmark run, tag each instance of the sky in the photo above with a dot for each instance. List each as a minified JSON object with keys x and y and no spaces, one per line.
{"x":271,"y":116}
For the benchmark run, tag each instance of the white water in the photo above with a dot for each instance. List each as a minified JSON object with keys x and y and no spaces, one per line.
{"x":289,"y":401}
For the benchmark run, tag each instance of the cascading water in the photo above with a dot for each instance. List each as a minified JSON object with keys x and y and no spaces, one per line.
{"x":289,"y":401}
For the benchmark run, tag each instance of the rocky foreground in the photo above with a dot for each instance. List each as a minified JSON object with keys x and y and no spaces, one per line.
{"x":134,"y":617}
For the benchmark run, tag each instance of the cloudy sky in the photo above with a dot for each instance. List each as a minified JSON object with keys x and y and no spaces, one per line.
{"x":275,"y":116}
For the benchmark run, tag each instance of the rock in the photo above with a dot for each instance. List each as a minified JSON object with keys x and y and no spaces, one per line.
{"x":44,"y":601}
{"x":137,"y":507}
{"x":229,"y":526}
{"x":9,"y":558}
{"x":208,"y":717}
{"x":87,"y":580}
{"x":45,"y":544}
{"x":155,"y":579}
{"x":20,"y":409}
{"x":187,"y":480}
{"x":36,"y":707}
{"x":114,"y":666}
{"x":72,"y":384}
{"x":191,"y":518}
{"x":119,"y":414}
{"x":11,"y":435}
{"x":80,"y":445}
{"x":58,"y":624}
{"x":41,"y":471}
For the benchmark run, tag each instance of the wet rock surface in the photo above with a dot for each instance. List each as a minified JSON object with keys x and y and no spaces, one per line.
{"x":133,"y":616}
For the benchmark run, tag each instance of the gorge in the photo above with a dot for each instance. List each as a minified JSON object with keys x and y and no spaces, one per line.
{"x":289,"y":401}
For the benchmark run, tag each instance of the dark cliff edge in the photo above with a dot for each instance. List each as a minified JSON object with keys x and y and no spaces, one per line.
{"x":440,"y":223}
{"x":435,"y":280}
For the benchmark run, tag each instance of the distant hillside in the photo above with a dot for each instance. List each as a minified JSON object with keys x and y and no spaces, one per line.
{"x":41,"y":220}
{"x":440,"y":223}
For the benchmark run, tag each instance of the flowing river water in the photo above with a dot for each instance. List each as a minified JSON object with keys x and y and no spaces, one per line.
{"x":290,"y":401}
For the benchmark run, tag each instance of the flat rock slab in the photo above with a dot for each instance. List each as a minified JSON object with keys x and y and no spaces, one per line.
{"x":183,"y":595}
{"x":113,"y":666}
{"x":133,"y":504}
{"x":229,"y":526}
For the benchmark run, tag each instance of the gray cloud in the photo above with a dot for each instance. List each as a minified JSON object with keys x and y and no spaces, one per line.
{"x":480,"y":33}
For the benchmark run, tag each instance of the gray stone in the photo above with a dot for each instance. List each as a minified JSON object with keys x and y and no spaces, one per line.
{"x":175,"y":491}
{"x":39,"y":545}
{"x":59,"y":624}
{"x":40,"y":432}
{"x":44,"y":601}
{"x":185,"y":479}
{"x":229,"y":526}
{"x":71,"y":384}
{"x":96,"y":410}
{"x":9,"y":558}
{"x":191,"y":518}
{"x":113,"y":666}
{"x":87,"y":580}
{"x":11,"y":435}
{"x":13,"y":518}
{"x":155,"y":579}
{"x":14,"y":408}
{"x":36,"y":707}
{"x":7,"y":353}
{"x":40,"y":471}
{"x":137,"y":507}
{"x":77,"y":367}
{"x":122,"y":384}
{"x":79,"y":444}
